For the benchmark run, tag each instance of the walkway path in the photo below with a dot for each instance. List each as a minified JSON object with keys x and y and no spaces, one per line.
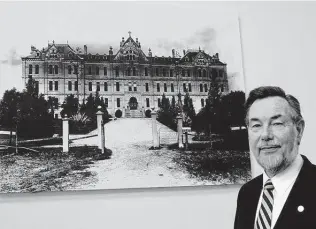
{"x":132,"y":164}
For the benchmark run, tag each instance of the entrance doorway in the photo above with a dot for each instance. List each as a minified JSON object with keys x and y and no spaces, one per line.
{"x":133,"y":103}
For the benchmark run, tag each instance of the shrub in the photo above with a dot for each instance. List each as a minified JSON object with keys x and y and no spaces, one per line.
{"x":148,"y":113}
{"x":118,"y":113}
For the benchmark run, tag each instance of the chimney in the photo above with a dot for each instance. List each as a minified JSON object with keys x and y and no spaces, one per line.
{"x":149,"y":52}
{"x":173,"y":53}
{"x":183,"y":52}
{"x":85,"y":49}
{"x":111,"y":51}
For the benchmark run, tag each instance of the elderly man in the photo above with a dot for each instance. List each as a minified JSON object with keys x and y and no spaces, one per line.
{"x":284,"y":196}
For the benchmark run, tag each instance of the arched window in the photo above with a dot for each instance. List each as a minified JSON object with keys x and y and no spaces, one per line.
{"x":56,"y":69}
{"x":97,"y":70}
{"x":201,"y":87}
{"x":36,"y":69}
{"x":30,"y":69}
{"x":157,"y":72}
{"x":204,"y":73}
{"x":200,"y":73}
{"x":205,"y":87}
{"x":69,"y":69}
{"x":189,"y":73}
{"x":90,"y":70}
{"x":146,"y":72}
{"x":117,"y":71}
{"x":50,"y":69}
{"x":183,"y":73}
{"x":134,"y":71}
{"x":171,"y":72}
{"x":164,"y":72}
{"x":105,"y":86}
{"x":128,"y":71}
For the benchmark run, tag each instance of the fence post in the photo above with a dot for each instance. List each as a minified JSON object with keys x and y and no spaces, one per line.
{"x":186,"y":140}
{"x":99,"y":124}
{"x":179,"y":128}
{"x":65,"y":134}
{"x":154,"y":129}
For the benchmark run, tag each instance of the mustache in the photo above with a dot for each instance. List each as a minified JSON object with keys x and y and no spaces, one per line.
{"x":269,"y":146}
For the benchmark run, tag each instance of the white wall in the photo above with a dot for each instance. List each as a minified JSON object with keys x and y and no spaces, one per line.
{"x":279,"y":46}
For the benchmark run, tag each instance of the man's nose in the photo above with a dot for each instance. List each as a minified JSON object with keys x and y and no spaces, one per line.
{"x":267,"y":133}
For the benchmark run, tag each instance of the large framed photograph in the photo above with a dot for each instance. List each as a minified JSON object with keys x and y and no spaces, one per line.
{"x":111,"y":95}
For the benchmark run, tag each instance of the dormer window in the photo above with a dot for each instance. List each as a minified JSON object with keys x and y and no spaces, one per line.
{"x":37,"y":54}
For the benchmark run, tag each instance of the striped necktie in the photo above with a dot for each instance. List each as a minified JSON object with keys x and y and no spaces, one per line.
{"x":265,"y":213}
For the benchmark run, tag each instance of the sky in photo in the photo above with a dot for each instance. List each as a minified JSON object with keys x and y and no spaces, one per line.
{"x":160,"y":26}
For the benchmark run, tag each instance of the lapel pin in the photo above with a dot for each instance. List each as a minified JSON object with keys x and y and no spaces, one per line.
{"x":300,"y":208}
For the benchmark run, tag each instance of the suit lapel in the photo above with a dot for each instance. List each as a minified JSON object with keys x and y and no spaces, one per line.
{"x":294,"y":199}
{"x":253,"y":199}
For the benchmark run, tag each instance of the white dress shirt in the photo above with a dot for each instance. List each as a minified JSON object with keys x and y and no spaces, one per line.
{"x":283,"y":183}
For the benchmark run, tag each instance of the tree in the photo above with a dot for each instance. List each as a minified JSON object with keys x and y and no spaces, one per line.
{"x":166,"y":114}
{"x":188,"y":110}
{"x":70,"y":106}
{"x":9,"y":109}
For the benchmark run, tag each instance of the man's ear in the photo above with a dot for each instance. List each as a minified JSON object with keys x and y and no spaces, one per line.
{"x":300,"y":125}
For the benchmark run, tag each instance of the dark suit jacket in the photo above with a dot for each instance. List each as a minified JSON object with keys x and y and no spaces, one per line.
{"x":303,"y":194}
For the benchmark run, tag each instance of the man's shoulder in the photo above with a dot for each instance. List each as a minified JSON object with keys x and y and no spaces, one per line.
{"x":253,"y":184}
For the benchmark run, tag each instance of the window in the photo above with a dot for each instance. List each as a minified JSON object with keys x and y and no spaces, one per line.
{"x":128,"y":71}
{"x":98,"y":86}
{"x":118,"y":102}
{"x":90,"y":86}
{"x":135,"y":87}
{"x":171,"y":72}
{"x":147,"y":88}
{"x":190,"y":88}
{"x":75,"y":69}
{"x":189,"y":73}
{"x":106,"y":101}
{"x":105,"y":71}
{"x":30,"y":69}
{"x":50,"y":85}
{"x":56,"y":116}
{"x":200,"y":73}
{"x":157,"y":72}
{"x":97,"y":70}
{"x":90,"y":70}
{"x":36,"y":69}
{"x":69,"y":69}
{"x":56,"y":69}
{"x":56,"y":85}
{"x":172,"y":88}
{"x":117,"y":71}
{"x":147,"y":102}
{"x":158,"y":87}
{"x":184,"y":87}
{"x":105,"y":86}
{"x":205,"y":87}
{"x":201,"y":87}
{"x":69,"y":86}
{"x":129,"y":87}
{"x":204,"y":73}
{"x":134,"y":71}
{"x":183,"y":73}
{"x":165,"y":87}
{"x":50,"y":69}
{"x":164,"y":72}
{"x":202,"y":102}
{"x":159,"y":104}
{"x":76,"y":85}
{"x":146,"y":72}
{"x":117,"y":86}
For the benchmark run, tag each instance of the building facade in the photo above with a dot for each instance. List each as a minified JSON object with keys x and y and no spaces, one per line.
{"x":128,"y":80}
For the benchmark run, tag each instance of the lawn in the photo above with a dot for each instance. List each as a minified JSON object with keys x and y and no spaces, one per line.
{"x":231,"y":166}
{"x":49,"y":169}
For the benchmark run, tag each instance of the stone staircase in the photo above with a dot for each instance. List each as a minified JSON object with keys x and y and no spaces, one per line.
{"x":134,"y":114}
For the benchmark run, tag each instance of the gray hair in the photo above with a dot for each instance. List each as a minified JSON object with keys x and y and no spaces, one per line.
{"x":271,"y":91}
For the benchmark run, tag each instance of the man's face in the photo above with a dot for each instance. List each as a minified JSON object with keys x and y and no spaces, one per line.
{"x":273,"y":137}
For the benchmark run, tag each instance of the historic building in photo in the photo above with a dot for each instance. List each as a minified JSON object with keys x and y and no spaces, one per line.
{"x":129,"y":80}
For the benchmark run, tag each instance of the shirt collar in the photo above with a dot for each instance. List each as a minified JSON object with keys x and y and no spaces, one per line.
{"x":283,"y":180}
